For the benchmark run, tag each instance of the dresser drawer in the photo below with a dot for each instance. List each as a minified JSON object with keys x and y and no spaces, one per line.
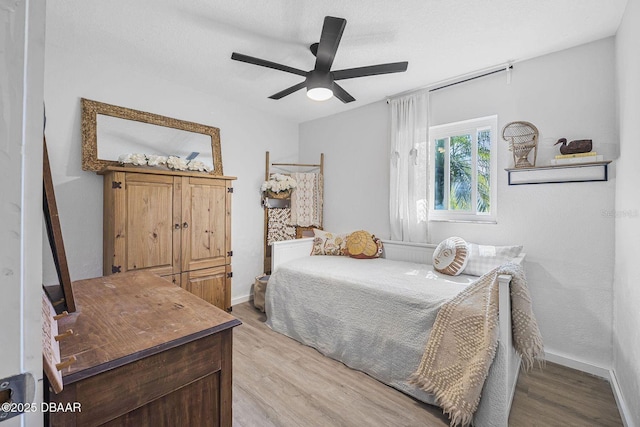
{"x":113,"y":393}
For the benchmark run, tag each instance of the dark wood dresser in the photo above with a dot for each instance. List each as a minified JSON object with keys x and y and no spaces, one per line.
{"x":148,"y":353}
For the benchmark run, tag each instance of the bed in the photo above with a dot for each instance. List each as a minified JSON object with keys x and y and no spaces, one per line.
{"x":375,"y":315}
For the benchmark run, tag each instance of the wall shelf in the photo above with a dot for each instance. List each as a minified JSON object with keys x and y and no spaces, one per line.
{"x":580,"y":172}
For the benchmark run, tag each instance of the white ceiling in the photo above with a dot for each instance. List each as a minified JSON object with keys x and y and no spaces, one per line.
{"x":191,"y":41}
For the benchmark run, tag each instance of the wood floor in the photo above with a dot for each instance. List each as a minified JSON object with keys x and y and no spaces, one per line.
{"x":280,"y":382}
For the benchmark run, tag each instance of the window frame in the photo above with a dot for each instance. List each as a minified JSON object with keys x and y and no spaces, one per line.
{"x":472,"y":127}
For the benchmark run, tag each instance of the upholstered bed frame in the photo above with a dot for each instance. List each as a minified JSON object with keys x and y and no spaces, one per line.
{"x":495,"y":403}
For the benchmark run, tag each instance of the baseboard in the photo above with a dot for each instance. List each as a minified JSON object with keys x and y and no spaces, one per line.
{"x":240,"y":300}
{"x":627,"y":420}
{"x":569,"y":362}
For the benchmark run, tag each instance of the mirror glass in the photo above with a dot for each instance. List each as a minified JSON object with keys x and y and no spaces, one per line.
{"x":117,"y":136}
{"x":109,"y":131}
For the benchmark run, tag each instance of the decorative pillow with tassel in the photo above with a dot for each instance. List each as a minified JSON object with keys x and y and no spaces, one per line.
{"x":451,"y":256}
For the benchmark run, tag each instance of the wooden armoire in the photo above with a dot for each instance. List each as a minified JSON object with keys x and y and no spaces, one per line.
{"x":174,"y":224}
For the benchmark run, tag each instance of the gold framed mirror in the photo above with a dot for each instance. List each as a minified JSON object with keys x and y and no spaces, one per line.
{"x":109,"y":131}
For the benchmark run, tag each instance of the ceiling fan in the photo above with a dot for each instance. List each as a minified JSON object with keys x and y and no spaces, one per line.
{"x":321,"y":81}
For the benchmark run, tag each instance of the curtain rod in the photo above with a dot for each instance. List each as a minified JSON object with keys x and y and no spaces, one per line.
{"x":461,"y":79}
{"x":510,"y":67}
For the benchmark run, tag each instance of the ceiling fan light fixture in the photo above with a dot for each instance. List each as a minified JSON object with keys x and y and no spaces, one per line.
{"x":319,"y":93}
{"x":319,"y":85}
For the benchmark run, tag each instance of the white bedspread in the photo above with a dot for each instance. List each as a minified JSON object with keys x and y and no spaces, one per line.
{"x":373,"y":315}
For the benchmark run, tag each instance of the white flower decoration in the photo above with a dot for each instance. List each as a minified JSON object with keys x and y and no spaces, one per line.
{"x":172,"y":162}
{"x":177,"y":163}
{"x":278,"y":182}
{"x":125,"y":158}
{"x":155,"y":160}
{"x":137,"y":159}
{"x":196,"y":165}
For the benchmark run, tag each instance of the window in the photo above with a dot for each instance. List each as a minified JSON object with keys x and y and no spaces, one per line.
{"x":463,"y":173}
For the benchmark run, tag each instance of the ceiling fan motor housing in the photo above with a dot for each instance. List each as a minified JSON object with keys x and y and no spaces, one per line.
{"x":317,"y":78}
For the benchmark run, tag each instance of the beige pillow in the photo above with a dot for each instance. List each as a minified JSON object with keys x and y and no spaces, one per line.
{"x":364,"y":245}
{"x":484,"y":258}
{"x":450,"y":256}
{"x":326,"y":243}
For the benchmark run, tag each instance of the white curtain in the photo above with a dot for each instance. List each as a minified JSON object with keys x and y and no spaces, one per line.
{"x":408,"y":197}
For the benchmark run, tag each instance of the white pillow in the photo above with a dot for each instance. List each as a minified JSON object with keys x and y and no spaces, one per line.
{"x":450,"y":256}
{"x":484,"y":258}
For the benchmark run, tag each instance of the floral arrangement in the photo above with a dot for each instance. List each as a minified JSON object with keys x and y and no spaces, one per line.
{"x":177,"y":163}
{"x":278,"y":182}
{"x":137,"y":159}
{"x":196,"y":165}
{"x":172,"y":162}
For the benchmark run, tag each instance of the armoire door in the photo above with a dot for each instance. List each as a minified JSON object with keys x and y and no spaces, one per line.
{"x":144,"y":224}
{"x":206,"y":214}
{"x":211,"y":284}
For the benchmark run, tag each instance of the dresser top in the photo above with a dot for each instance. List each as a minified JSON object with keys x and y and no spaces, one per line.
{"x":125,"y":317}
{"x":160,"y":171}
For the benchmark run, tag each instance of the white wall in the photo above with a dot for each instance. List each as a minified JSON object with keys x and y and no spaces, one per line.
{"x":565,"y":228}
{"x":356,"y":172}
{"x":96,"y":72}
{"x":626,"y":292}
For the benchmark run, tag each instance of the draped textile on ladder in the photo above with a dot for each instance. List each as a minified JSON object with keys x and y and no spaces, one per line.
{"x":306,"y":200}
{"x":279,"y":227}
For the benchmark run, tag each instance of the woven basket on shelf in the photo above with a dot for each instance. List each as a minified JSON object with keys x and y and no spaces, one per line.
{"x":280,"y":195}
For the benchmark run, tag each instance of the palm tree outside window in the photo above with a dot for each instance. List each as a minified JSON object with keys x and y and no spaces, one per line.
{"x":464,"y":170}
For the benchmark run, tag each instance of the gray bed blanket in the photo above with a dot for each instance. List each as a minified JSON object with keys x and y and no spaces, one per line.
{"x":374,"y":315}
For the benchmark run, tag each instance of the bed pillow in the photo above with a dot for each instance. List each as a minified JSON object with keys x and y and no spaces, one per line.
{"x":451,"y":256}
{"x":363,"y":245}
{"x":484,"y":258}
{"x":326,"y":243}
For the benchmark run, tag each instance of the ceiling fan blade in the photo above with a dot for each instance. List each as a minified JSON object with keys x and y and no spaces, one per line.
{"x":371,"y":70}
{"x":264,"y":63}
{"x":332,"y":30}
{"x":288,"y":91}
{"x":342,"y":94}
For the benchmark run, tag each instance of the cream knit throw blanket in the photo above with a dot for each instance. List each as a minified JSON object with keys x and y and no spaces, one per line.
{"x":464,"y":339}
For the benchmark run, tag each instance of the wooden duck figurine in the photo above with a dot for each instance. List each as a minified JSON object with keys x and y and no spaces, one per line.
{"x":574,"y":147}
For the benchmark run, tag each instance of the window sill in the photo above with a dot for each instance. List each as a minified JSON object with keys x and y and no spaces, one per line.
{"x":471,"y":221}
